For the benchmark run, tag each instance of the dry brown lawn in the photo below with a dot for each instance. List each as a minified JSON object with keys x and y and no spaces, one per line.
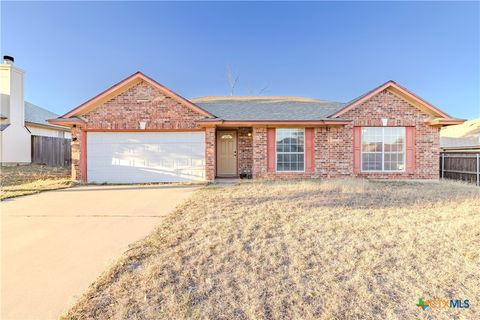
{"x":28,"y":179}
{"x":346,"y":249}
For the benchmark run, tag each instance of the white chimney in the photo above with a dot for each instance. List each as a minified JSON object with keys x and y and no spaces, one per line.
{"x":11,"y":89}
{"x":15,"y":137}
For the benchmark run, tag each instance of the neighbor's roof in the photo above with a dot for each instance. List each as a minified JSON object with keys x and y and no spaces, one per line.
{"x":466,"y":134}
{"x":37,"y":115}
{"x":268,"y":108}
{"x":3,"y":126}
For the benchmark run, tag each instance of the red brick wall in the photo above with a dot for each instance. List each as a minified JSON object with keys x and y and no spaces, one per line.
{"x":334,"y":151}
{"x":210,"y":153}
{"x":125,"y":112}
{"x":245,"y":150}
{"x":259,"y":153}
{"x":332,"y":156}
{"x":75,"y":144}
{"x":260,"y":160}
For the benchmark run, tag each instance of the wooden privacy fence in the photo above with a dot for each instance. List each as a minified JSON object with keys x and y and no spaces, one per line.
{"x":460,"y":166}
{"x":55,"y":152}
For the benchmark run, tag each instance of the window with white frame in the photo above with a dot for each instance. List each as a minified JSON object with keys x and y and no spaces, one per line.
{"x":290,"y":146}
{"x":383,"y":149}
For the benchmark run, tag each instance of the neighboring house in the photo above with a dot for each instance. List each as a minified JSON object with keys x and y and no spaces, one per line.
{"x":463,"y":137}
{"x":19,"y":120}
{"x":36,"y":121}
{"x":140,"y":131}
{"x":15,"y":138}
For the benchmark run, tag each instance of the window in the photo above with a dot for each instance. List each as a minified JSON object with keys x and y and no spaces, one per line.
{"x":226,"y":137}
{"x":383,"y":149}
{"x":290,"y":149}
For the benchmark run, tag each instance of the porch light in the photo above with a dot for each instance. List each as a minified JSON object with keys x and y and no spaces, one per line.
{"x":142,"y":124}
{"x":384,"y":122}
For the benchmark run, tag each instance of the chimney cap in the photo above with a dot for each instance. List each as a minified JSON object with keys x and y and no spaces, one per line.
{"x":8,"y":59}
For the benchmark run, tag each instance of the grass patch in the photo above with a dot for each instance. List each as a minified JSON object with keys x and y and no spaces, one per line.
{"x":34,"y":187}
{"x":347,"y":249}
{"x":29,"y":179}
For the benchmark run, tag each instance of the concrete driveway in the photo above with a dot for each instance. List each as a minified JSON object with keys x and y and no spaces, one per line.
{"x":55,"y":244}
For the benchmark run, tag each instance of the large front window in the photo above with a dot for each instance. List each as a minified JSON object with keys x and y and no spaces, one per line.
{"x":383,"y":149}
{"x":290,"y":149}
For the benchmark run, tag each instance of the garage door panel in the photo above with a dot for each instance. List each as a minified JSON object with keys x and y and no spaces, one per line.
{"x":131,"y":157}
{"x":146,"y":137}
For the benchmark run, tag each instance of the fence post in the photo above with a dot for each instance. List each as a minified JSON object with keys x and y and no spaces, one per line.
{"x":443,"y":165}
{"x":478,"y":169}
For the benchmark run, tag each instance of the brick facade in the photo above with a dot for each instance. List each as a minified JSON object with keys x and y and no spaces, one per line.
{"x":142,"y":102}
{"x":76,"y":154}
{"x":259,"y":152}
{"x":400,"y":113}
{"x":333,"y":146}
{"x":210,"y":153}
{"x":334,"y":151}
{"x":245,"y":150}
{"x":332,"y":157}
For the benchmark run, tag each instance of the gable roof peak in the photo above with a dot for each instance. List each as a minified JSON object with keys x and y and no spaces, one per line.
{"x":396,"y":89}
{"x":127,"y":83}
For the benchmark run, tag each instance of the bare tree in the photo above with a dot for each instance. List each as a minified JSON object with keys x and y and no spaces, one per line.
{"x":232,"y":80}
{"x":253,"y":92}
{"x":263,"y":89}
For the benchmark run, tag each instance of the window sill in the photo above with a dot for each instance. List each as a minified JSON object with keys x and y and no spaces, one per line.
{"x":383,"y":172}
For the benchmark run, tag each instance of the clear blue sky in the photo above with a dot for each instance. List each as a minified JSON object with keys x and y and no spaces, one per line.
{"x":330,"y":50}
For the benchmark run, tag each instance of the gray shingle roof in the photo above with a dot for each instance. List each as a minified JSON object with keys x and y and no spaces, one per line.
{"x":36,"y":114}
{"x":268,"y":108}
{"x":3,"y":126}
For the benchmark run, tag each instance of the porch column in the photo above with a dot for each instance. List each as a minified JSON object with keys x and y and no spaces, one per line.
{"x":259,"y":168}
{"x":210,"y":153}
{"x":78,"y":147}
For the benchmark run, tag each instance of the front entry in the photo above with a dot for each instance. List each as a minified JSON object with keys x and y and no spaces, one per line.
{"x":226,"y":153}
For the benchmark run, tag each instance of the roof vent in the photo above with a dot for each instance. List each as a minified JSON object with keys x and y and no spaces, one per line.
{"x":8,"y":59}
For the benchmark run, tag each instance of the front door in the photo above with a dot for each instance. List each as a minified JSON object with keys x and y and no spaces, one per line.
{"x":226,"y":153}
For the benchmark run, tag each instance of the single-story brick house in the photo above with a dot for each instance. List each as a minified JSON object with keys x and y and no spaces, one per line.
{"x":140,"y":131}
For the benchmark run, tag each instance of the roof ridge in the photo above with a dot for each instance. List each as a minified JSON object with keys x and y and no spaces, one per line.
{"x":246,"y":98}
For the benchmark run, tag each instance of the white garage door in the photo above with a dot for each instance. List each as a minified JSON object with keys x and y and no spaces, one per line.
{"x":138,"y":157}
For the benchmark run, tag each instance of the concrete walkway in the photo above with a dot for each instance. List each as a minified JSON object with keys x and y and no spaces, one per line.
{"x":55,"y":244}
